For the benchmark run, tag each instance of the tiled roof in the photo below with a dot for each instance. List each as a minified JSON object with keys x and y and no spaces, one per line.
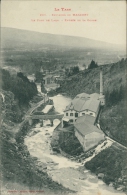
{"x":84,"y":101}
{"x":47,"y":108}
{"x":85,"y":125}
{"x":87,"y":118}
{"x":85,"y":128}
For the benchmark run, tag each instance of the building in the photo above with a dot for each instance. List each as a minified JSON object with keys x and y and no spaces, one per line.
{"x":48,"y":79}
{"x":50,"y":83}
{"x":82,"y":104}
{"x":85,"y":104}
{"x":87,"y":133}
{"x":31,"y":78}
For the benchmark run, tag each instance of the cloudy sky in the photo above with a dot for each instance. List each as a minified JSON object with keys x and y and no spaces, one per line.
{"x":110,"y":16}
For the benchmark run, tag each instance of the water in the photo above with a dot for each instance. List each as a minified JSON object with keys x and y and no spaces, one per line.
{"x":59,"y":168}
{"x":38,"y":87}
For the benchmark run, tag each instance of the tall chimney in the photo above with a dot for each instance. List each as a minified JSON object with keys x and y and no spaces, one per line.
{"x":101,"y":82}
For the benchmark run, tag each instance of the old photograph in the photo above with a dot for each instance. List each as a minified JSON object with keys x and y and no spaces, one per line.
{"x":63,"y":98}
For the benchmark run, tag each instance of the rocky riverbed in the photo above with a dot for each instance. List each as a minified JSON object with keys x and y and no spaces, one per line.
{"x":71,"y":174}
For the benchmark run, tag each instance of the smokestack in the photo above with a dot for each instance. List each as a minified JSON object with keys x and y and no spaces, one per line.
{"x":101,"y":82}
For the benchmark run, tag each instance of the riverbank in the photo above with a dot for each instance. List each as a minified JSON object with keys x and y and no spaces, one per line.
{"x":20,"y":168}
{"x":70,"y":173}
{"x":104,"y":160}
{"x":37,"y":167}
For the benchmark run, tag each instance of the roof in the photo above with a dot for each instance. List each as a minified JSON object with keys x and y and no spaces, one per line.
{"x":85,"y":128}
{"x":65,"y":119}
{"x":87,"y":118}
{"x":48,"y":76}
{"x":85,"y":125}
{"x":47,"y":108}
{"x":83,"y":102}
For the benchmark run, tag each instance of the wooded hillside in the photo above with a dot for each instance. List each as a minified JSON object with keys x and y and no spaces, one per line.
{"x":113,"y":117}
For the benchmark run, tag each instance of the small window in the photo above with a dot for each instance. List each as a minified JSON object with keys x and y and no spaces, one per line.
{"x":86,"y":110}
{"x":71,"y":114}
{"x":71,"y":120}
{"x":91,"y":113}
{"x":66,"y":114}
{"x":76,"y":114}
{"x":83,"y":114}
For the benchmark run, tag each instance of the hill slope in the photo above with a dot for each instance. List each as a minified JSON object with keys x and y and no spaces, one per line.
{"x":113,"y":115}
{"x":14,"y":37}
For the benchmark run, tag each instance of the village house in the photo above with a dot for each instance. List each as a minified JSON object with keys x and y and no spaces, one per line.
{"x":50,"y":83}
{"x":48,"y":79}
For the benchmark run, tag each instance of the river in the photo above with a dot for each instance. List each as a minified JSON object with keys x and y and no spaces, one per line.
{"x":59,"y":168}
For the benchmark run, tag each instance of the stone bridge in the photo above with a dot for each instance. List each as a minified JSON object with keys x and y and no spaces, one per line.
{"x":45,"y":117}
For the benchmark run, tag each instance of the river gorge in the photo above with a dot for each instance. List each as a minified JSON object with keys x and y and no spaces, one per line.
{"x":61,"y":169}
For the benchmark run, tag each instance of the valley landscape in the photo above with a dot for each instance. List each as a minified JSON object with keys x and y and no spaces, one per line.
{"x":36,"y":156}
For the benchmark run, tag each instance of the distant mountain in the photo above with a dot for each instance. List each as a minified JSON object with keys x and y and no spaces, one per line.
{"x":11,"y":37}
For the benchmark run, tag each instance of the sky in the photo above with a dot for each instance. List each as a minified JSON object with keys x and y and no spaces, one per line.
{"x":108,"y":18}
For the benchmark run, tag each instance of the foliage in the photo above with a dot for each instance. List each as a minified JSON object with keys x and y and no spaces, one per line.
{"x":19,"y":85}
{"x":113,"y":116}
{"x":72,"y":71}
{"x":43,"y":88}
{"x":113,"y":121}
{"x":38,"y":76}
{"x":92,"y":65}
{"x":116,"y":95}
{"x":17,"y":164}
{"x":69,"y":143}
{"x":112,"y":163}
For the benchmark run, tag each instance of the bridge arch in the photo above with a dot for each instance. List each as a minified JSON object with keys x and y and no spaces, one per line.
{"x":45,"y":117}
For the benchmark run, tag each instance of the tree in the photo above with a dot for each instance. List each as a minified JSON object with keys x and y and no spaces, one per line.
{"x":19,"y":85}
{"x":84,"y":65}
{"x":92,"y":65}
{"x":43,"y":88}
{"x":75,"y":69}
{"x":38,"y":76}
{"x":21,"y":75}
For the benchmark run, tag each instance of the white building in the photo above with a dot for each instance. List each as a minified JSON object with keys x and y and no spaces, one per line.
{"x":88,"y":135}
{"x":85,"y":104}
{"x":82,"y":104}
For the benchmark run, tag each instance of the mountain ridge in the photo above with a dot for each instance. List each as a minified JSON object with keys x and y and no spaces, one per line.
{"x":16,"y":36}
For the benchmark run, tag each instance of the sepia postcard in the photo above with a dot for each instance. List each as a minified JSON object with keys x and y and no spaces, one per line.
{"x":63,"y":97}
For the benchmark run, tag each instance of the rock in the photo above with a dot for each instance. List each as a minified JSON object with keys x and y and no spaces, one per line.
{"x":47,"y":133}
{"x":56,"y":149}
{"x":82,"y":178}
{"x":44,"y":167}
{"x":120,"y":180}
{"x":53,"y":153}
{"x":111,"y":184}
{"x":100,"y":175}
{"x":120,"y":188}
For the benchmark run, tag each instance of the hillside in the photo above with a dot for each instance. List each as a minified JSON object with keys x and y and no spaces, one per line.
{"x":13,"y":37}
{"x":113,"y":115}
{"x":111,"y":164}
{"x":30,"y":52}
{"x":19,"y":170}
